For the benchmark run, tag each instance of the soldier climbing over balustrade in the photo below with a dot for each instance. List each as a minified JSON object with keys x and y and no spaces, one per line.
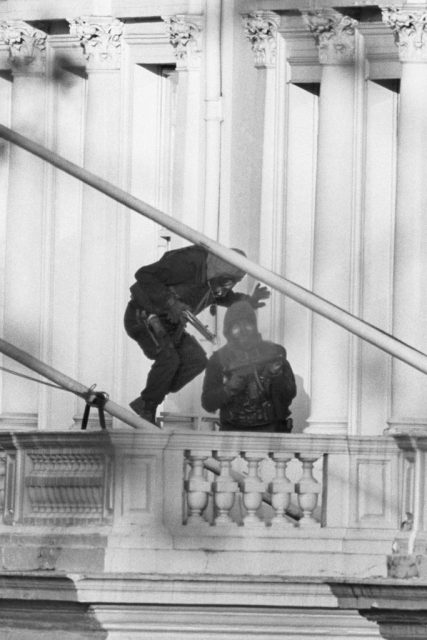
{"x":166,"y":294}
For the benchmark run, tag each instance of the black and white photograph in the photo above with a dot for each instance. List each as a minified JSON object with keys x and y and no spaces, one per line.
{"x":213,"y":347}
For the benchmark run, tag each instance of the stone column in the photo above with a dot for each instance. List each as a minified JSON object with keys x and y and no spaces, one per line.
{"x":24,"y":224}
{"x":185,"y":34}
{"x":335,"y":36}
{"x":409,"y":400}
{"x":261,"y":28}
{"x":5,"y":115}
{"x":100,"y":38}
{"x":185,"y":38}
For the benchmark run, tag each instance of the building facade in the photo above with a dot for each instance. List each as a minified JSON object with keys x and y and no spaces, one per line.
{"x":293,"y":129}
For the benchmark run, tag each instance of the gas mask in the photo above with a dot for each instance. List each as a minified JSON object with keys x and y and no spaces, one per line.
{"x":221,"y":286}
{"x":244,"y":334}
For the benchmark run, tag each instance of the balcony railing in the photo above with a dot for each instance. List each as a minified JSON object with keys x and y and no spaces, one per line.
{"x":301,"y":503}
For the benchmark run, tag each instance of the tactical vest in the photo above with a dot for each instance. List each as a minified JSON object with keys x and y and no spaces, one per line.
{"x":253,"y":406}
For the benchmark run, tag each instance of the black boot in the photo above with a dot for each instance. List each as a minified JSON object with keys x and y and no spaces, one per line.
{"x":146,"y":409}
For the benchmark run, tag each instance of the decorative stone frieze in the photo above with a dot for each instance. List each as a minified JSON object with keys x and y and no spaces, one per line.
{"x":100,"y":38}
{"x":185,"y":36}
{"x":410,"y":32}
{"x":334,"y":35}
{"x":261,"y":31}
{"x":27,"y":46}
{"x":66,"y":486}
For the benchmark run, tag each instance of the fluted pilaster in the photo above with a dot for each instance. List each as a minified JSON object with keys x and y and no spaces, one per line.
{"x":26,"y":202}
{"x":185,"y":35}
{"x":100,"y":39}
{"x":335,"y":38}
{"x":409,"y":403}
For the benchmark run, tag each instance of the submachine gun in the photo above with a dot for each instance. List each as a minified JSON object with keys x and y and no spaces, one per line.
{"x":199,"y":326}
{"x":153,"y":323}
{"x":249,"y":364}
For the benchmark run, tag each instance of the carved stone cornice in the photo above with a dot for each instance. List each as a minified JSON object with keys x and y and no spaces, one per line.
{"x":399,"y":625}
{"x":27,"y":46}
{"x":261,"y":31}
{"x":100,"y":38}
{"x":410,"y":32}
{"x":185,"y":36}
{"x":334,"y":35}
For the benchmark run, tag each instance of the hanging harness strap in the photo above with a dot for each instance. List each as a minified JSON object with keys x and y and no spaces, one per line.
{"x":94,"y":399}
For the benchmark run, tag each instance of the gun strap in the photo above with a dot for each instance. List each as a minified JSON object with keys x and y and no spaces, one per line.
{"x":95,"y":399}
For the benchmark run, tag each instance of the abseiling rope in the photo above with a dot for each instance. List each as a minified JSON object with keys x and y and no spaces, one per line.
{"x":68,"y":384}
{"x":355,"y":325}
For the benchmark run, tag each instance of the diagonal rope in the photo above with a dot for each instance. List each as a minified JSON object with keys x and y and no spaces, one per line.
{"x":22,"y":375}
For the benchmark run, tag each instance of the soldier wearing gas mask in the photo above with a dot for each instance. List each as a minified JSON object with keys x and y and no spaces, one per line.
{"x":249,"y":379}
{"x":188,"y":279}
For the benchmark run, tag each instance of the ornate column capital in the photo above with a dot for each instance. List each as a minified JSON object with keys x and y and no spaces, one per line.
{"x":334,"y":35}
{"x":27,"y":46}
{"x":100,"y":38}
{"x":185,"y":35}
{"x":261,"y":31}
{"x":409,"y":27}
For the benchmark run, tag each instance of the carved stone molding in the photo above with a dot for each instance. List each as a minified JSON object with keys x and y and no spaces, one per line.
{"x":66,"y":486}
{"x":185,"y":35}
{"x":261,"y":31}
{"x":410,"y":32}
{"x":100,"y":38}
{"x":27,"y":46}
{"x":334,"y":35}
{"x":399,"y":625}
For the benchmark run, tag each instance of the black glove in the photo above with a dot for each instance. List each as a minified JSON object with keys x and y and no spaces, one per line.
{"x":175,"y":310}
{"x":259,"y":293}
{"x":234,"y":384}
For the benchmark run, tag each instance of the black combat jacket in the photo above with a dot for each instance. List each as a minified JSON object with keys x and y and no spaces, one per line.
{"x":181,"y":272}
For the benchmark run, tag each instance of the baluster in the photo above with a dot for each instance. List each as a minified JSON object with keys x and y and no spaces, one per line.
{"x":224,"y":487}
{"x":253,"y":487}
{"x":281,"y":489}
{"x":197,"y":487}
{"x":308,"y":490}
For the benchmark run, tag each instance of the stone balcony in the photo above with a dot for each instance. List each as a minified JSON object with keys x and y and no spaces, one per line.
{"x":126,"y":501}
{"x":118,"y":524}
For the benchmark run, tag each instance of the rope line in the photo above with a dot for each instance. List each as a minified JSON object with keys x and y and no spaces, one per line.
{"x":91,"y":397}
{"x":22,"y":375}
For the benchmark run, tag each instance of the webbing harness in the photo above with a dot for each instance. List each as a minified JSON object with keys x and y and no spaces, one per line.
{"x":94,"y":399}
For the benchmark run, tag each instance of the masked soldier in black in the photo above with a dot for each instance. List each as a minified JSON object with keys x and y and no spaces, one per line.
{"x":184,"y":279}
{"x":249,"y":379}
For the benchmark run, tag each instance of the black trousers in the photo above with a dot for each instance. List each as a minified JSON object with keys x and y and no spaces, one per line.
{"x":176,"y":362}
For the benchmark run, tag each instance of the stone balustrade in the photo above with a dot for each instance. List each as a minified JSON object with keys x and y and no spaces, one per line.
{"x":261,"y":483}
{"x":201,"y":502}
